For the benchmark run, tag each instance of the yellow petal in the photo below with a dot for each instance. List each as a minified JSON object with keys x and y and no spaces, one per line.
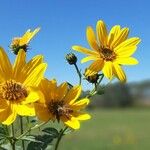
{"x":33,"y":34}
{"x":126,"y":61}
{"x":81,"y":104}
{"x":5,"y":65}
{"x":73,"y":94}
{"x":91,"y":38}
{"x":42,"y":112}
{"x":126,"y":51}
{"x":52,"y":90}
{"x":84,"y":50}
{"x":115,"y":30}
{"x":44,"y":87}
{"x":121,"y":37}
{"x":33,"y":96}
{"x":101,"y":32}
{"x":3,"y":104}
{"x":107,"y":70}
{"x":73,"y":123}
{"x":19,"y":63}
{"x":119,"y":72}
{"x":25,"y":39}
{"x":12,"y":116}
{"x":30,"y":66}
{"x":82,"y":116}
{"x":96,"y":66}
{"x":88,"y":58}
{"x":4,"y":113}
{"x":36,"y":75}
{"x":25,"y":110}
{"x":132,"y":42}
{"x":62,"y":90}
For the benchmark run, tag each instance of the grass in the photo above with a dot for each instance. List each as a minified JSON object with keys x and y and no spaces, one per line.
{"x":112,"y":129}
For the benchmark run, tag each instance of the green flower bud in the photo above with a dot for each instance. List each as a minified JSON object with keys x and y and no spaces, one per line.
{"x":71,"y":58}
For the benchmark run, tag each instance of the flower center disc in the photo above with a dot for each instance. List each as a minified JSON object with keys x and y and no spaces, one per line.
{"x":12,"y":91}
{"x":58,"y":108}
{"x":107,"y":54}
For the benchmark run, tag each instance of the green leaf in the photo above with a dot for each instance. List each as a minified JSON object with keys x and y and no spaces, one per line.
{"x":51,"y":131}
{"x":3,"y":135}
{"x":68,"y":131}
{"x":100,"y":90}
{"x":3,"y":131}
{"x":45,"y":139}
{"x":31,"y":138}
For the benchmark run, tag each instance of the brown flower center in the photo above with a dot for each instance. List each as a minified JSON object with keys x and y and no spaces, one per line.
{"x":58,"y":109}
{"x":12,"y":91}
{"x":107,"y":54}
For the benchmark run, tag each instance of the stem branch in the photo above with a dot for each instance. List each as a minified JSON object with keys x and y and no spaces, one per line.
{"x":13,"y":141}
{"x":79,"y":73}
{"x":21,"y":125}
{"x":61,"y":133}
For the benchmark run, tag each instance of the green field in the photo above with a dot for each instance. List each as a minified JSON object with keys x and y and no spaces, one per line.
{"x":112,"y":129}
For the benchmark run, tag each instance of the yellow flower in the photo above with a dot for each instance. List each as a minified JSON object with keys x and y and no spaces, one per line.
{"x":22,"y":42}
{"x":59,"y":103}
{"x":109,"y":51}
{"x":18,"y":85}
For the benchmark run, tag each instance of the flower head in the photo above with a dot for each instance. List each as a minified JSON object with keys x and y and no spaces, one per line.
{"x":90,"y":76}
{"x":22,"y":42}
{"x":18,"y":85}
{"x":109,"y":51}
{"x":60,"y":103}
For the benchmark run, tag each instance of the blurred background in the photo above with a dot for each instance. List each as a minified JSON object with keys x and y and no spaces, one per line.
{"x":121,"y":116}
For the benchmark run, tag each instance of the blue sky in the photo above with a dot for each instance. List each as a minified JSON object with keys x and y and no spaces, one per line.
{"x":63,"y":24}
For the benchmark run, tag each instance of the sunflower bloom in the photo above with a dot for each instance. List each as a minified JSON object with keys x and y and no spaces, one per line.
{"x":22,"y":42}
{"x":59,"y":103}
{"x":18,"y":85}
{"x":109,"y":51}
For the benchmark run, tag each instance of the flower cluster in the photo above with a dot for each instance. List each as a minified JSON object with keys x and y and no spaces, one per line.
{"x":25,"y":91}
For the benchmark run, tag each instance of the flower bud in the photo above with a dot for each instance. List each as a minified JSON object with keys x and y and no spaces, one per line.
{"x":71,"y":58}
{"x":91,"y":77}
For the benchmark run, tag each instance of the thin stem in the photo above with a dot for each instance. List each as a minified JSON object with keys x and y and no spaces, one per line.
{"x":30,"y":129}
{"x":61,"y":133}
{"x":102,"y":76}
{"x":12,"y":142}
{"x":21,"y":125}
{"x":79,"y":73}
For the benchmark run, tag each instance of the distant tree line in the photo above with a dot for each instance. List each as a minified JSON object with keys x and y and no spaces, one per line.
{"x":122,"y":95}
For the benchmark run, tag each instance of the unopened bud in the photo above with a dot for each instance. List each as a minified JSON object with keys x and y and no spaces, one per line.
{"x":71,"y":58}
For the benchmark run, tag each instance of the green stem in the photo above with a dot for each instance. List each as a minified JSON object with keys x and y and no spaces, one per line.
{"x":21,"y":125}
{"x":61,"y":133}
{"x":94,"y":91}
{"x":30,"y":129}
{"x":79,"y":73}
{"x":102,"y":76}
{"x":12,"y":142}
